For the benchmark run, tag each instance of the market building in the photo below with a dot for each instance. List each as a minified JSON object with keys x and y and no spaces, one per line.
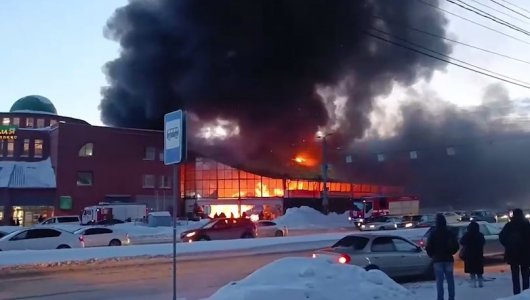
{"x":57,"y":165}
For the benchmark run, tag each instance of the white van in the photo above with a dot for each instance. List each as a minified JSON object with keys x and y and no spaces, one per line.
{"x":62,"y":220}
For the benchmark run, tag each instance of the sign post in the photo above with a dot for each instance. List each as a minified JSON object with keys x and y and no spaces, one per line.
{"x":174,"y":154}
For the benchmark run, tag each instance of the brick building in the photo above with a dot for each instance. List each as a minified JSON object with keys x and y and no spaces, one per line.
{"x":56,"y":165}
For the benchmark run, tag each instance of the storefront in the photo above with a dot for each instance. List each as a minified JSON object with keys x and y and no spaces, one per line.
{"x":269,"y":208}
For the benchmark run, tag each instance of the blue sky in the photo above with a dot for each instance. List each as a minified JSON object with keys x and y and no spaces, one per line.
{"x":56,"y":48}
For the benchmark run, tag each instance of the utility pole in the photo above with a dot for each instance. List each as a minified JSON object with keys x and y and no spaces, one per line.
{"x":325,"y":199}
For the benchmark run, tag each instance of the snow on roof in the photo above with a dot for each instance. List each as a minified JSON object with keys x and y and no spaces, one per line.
{"x":30,"y":111}
{"x":20,"y":174}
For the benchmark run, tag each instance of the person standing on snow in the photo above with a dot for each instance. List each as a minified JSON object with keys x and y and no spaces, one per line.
{"x":442,"y":244}
{"x":515,"y":237}
{"x":472,"y":253}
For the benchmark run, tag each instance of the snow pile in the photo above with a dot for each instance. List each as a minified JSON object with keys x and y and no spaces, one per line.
{"x":523,"y":296}
{"x":315,"y":279}
{"x":307,"y":217}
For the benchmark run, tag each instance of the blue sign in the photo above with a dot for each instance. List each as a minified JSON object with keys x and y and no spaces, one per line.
{"x":174,"y":137}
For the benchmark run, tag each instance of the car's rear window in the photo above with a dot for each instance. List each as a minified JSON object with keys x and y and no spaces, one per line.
{"x":355,"y":242}
{"x":67,"y":219}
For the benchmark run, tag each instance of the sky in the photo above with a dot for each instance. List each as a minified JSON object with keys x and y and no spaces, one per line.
{"x":56,"y":48}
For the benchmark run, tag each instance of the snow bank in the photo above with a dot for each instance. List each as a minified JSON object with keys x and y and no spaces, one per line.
{"x":314,"y":279}
{"x":523,"y":296}
{"x":307,"y":217}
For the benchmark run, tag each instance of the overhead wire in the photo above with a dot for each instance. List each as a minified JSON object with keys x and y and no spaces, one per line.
{"x":510,"y":9}
{"x":514,"y":5}
{"x":500,"y":11}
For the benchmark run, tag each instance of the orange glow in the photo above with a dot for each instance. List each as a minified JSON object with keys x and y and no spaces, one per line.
{"x":305,"y":160}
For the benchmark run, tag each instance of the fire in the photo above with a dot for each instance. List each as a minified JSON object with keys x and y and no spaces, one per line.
{"x":262,"y":190}
{"x":305,"y":160}
{"x":299,"y":159}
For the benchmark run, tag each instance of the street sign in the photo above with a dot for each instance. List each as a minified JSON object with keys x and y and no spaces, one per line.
{"x":174,"y":137}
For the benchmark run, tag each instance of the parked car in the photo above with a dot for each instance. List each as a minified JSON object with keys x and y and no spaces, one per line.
{"x":411,"y":221}
{"x":62,"y":220}
{"x":5,"y":230}
{"x":493,"y":246}
{"x":269,"y":229}
{"x":102,"y":236}
{"x":451,"y":217}
{"x":109,"y":222}
{"x":394,"y":255}
{"x":480,"y":215}
{"x":381,"y":223}
{"x":40,"y":239}
{"x":426,"y":221}
{"x":222,"y":229}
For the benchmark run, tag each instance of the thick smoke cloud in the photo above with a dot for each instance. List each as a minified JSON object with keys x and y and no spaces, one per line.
{"x":279,"y":70}
{"x":490,"y":165}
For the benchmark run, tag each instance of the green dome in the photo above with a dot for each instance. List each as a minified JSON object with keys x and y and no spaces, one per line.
{"x":34,"y":103}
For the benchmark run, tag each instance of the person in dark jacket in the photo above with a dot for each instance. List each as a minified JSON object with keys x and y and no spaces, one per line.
{"x":515,"y":237}
{"x":472,"y":252}
{"x":442,"y":244}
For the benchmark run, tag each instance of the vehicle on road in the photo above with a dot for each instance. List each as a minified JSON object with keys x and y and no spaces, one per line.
{"x":115,"y":211}
{"x":222,"y":229}
{"x":480,"y":215}
{"x":365,"y":208}
{"x":382,"y":223}
{"x":451,"y":217}
{"x":394,"y":255}
{"x":98,"y":236}
{"x":61,"y":220}
{"x":269,"y":229}
{"x":40,"y":239}
{"x":109,"y":222}
{"x":493,"y":246}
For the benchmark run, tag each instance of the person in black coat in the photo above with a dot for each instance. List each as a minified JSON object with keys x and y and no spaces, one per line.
{"x":515,"y":237}
{"x":472,"y":253}
{"x":442,"y":244}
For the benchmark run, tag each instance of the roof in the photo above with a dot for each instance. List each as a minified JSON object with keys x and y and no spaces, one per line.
{"x":19,"y":174}
{"x":34,"y":103}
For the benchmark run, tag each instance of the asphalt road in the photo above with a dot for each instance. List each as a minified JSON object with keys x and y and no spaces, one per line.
{"x":139,"y":279}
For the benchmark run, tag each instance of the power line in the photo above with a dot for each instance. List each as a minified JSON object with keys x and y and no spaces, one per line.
{"x":452,"y":40}
{"x":486,"y":15}
{"x":500,"y":11}
{"x":519,"y":7}
{"x":508,"y":8}
{"x":471,"y":21}
{"x":444,"y":60}
{"x":449,"y":57}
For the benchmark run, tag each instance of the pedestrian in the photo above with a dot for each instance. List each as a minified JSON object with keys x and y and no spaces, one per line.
{"x":472,"y":253}
{"x":515,"y":237}
{"x":442,"y":244}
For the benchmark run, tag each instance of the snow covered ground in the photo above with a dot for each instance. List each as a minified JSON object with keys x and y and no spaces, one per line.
{"x":306,"y":217}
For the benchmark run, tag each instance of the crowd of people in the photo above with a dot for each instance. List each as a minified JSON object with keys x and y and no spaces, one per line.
{"x":442,"y":244}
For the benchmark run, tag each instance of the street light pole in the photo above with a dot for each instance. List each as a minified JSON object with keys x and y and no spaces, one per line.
{"x":325,"y":200}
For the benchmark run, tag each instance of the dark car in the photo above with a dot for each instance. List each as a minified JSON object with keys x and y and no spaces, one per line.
{"x":482,"y":215}
{"x":221,"y":229}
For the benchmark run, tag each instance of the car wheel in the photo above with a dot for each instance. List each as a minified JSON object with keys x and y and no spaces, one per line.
{"x":64,"y":247}
{"x":204,"y":238}
{"x":247,"y":236}
{"x":371,"y":267}
{"x":278,"y":233}
{"x":115,"y":242}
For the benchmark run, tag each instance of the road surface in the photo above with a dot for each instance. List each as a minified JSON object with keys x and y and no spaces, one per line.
{"x":139,"y":279}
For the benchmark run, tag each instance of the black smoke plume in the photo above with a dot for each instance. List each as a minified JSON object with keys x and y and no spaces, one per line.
{"x":475,"y":157}
{"x":260,"y":65}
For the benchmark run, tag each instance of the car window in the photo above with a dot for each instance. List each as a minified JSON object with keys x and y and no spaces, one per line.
{"x":92,"y":231}
{"x":21,"y":236}
{"x":404,"y":246}
{"x":42,"y":233}
{"x":49,"y":221}
{"x":67,"y":219}
{"x":221,"y":224}
{"x":355,"y":242}
{"x":383,"y":244}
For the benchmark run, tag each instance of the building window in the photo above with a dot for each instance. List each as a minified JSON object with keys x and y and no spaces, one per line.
{"x":10,"y":148}
{"x":53,"y":122}
{"x":29,"y":122}
{"x":2,"y":148}
{"x":16,"y":121}
{"x":6,"y":121}
{"x":40,"y":123}
{"x":25,"y":151}
{"x":148,"y":181}
{"x":38,"y":148}
{"x":84,"y":178}
{"x":150,"y":153}
{"x":86,"y":150}
{"x":161,"y":156}
{"x":165,"y":182}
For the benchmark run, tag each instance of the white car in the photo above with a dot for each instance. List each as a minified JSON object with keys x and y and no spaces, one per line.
{"x":270,"y":229}
{"x":62,"y":220}
{"x":40,"y":239}
{"x":382,"y":223}
{"x":102,"y":236}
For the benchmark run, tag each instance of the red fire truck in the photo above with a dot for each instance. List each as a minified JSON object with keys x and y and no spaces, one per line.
{"x":374,"y":206}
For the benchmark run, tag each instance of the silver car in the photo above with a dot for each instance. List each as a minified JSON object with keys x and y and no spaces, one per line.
{"x":394,"y":255}
{"x":382,"y":223}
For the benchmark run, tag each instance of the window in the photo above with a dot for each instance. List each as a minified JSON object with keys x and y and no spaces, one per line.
{"x":20,"y":236}
{"x":2,"y":148}
{"x":38,"y":148}
{"x":93,"y":231}
{"x":53,"y":122}
{"x":161,"y":156}
{"x":165,"y":182}
{"x":150,"y":153}
{"x":16,"y":121}
{"x":25,"y":151}
{"x":6,"y":121}
{"x":404,"y":246}
{"x":84,"y":178}
{"x":68,"y":219}
{"x":383,"y":244}
{"x":10,"y":148}
{"x":42,"y":233}
{"x":148,"y":181}
{"x":355,"y":242}
{"x":29,"y":122}
{"x":266,"y":224}
{"x":86,"y":150}
{"x":40,"y":123}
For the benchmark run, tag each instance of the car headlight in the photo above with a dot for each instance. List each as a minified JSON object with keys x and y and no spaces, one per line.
{"x":527,"y":216}
{"x":395,"y":225}
{"x":408,"y":225}
{"x":363,"y":226}
{"x":349,"y":218}
{"x":190,"y":234}
{"x":372,"y":226}
{"x":361,"y":220}
{"x":471,"y":219}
